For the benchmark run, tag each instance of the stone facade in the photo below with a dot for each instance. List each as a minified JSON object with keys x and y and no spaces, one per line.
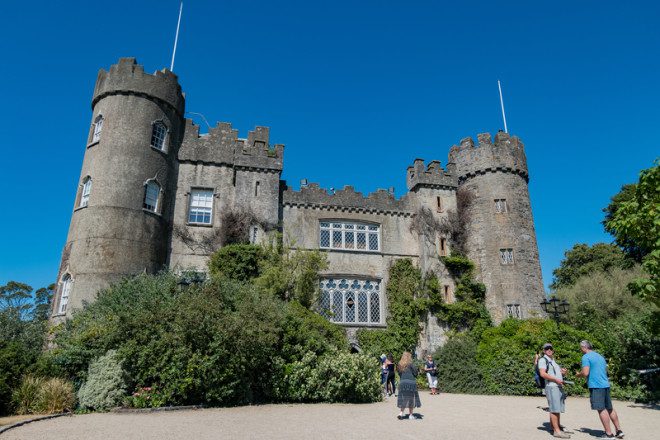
{"x":140,"y":188}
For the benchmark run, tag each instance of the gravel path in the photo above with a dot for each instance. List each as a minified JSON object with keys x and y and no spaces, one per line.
{"x":447,"y":416}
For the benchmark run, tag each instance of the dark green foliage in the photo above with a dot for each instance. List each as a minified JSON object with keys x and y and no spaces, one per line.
{"x":465,"y":314}
{"x":506,"y":354}
{"x":583,"y":259}
{"x":239,"y":262}
{"x":458,"y":369}
{"x":407,"y":305}
{"x":629,"y":245}
{"x":462,"y":270}
{"x":458,"y":265}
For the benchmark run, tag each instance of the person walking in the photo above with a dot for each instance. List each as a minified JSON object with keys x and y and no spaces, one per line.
{"x":553,"y":375}
{"x":594,"y":368}
{"x":383,"y":373}
{"x":431,"y":374}
{"x":408,"y":395}
{"x":390,"y":385}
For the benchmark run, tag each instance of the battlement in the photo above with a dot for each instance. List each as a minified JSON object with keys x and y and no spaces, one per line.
{"x":128,"y":77}
{"x":223,"y":146}
{"x":433,"y":175}
{"x":347,"y":199}
{"x":506,"y":154}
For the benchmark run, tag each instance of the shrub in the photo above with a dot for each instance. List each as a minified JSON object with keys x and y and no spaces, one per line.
{"x":39,"y":395}
{"x":56,"y":396}
{"x":26,"y":395}
{"x":105,"y":387}
{"x":146,"y":397}
{"x":238,"y":262}
{"x":334,"y":377}
{"x":458,"y":369}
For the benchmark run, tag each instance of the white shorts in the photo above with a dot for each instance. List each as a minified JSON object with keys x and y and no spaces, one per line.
{"x":433,"y":380}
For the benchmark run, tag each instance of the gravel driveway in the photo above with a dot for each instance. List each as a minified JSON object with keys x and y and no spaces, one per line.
{"x":447,"y":417}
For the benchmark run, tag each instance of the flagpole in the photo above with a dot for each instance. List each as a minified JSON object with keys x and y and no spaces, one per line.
{"x":499,"y":86}
{"x":176,"y":38}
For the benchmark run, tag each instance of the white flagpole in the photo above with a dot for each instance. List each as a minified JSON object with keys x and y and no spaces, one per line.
{"x":176,"y":38}
{"x":502,"y":104}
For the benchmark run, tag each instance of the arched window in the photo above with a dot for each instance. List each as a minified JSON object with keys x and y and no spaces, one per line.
{"x":65,"y":291}
{"x":158,"y":135}
{"x":351,"y":301}
{"x":86,"y":190}
{"x":98,"y":127}
{"x":151,"y":196}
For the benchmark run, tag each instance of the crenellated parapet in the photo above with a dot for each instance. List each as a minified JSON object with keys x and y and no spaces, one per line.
{"x":222,"y":146}
{"x":128,"y":78}
{"x":348,"y":200}
{"x":432,"y":176}
{"x":506,"y":154}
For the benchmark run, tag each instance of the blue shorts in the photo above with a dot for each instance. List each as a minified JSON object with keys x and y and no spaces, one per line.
{"x":600,"y":399}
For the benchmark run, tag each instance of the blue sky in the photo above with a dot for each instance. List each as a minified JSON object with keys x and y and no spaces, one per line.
{"x":355,"y":90}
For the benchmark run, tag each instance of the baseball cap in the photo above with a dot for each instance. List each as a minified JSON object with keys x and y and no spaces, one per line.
{"x":547,"y":345}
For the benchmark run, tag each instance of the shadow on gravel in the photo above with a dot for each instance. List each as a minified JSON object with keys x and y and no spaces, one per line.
{"x":654,"y":406}
{"x":592,"y":432}
{"x":417,"y":416}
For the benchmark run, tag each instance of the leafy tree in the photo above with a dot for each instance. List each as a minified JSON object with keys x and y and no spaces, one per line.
{"x":634,"y":220}
{"x":16,"y":296}
{"x":583,"y":259}
{"x":239,"y":262}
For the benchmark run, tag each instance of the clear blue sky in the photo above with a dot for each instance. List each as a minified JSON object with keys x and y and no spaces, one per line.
{"x":355,"y":90}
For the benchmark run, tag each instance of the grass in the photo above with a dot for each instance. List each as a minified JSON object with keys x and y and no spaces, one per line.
{"x":10,"y":420}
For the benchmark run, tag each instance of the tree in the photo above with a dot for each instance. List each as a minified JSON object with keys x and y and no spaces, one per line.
{"x":633,"y":218}
{"x":16,"y":297}
{"x":583,"y":259}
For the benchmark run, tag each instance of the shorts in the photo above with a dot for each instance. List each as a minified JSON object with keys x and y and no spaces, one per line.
{"x":556,"y":399}
{"x":433,"y":380}
{"x":600,"y":399}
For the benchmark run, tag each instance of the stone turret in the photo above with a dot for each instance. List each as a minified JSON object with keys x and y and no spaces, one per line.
{"x":501,"y":237}
{"x":137,"y":127}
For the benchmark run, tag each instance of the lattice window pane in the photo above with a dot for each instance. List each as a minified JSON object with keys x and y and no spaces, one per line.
{"x":349,"y":240}
{"x":363,"y":310}
{"x":325,"y":238}
{"x":336,"y":239}
{"x":361,"y":240}
{"x":337,"y":306}
{"x":324,"y":304}
{"x":158,"y":135}
{"x":374,"y":306}
{"x":373,"y":242}
{"x":350,"y":308}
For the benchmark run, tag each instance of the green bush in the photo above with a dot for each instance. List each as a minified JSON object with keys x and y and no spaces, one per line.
{"x":239,"y":262}
{"x":105,"y":386}
{"x":458,"y":369}
{"x":506,"y":354}
{"x":333,"y":377}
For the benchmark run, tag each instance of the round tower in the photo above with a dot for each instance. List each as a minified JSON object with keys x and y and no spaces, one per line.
{"x":119,"y":224}
{"x":501,"y":240}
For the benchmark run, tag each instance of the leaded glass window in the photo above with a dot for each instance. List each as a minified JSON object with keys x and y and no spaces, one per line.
{"x":349,"y":235}
{"x":201,"y":206}
{"x":158,"y":135}
{"x":351,"y":301}
{"x":506,"y":256}
{"x":513,"y":311}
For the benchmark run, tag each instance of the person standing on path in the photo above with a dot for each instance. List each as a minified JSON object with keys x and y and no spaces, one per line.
{"x":390,"y":385}
{"x":594,"y":368}
{"x":408,"y":395}
{"x":431,"y":374}
{"x":553,"y":375}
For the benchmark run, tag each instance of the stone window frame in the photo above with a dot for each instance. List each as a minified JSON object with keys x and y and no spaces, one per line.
{"x":64,"y":292}
{"x":443,"y":248}
{"x":342,"y":298}
{"x":349,"y":228}
{"x":439,"y":207}
{"x":506,"y":257}
{"x":254,"y":234}
{"x":501,"y":207}
{"x":191,"y":200}
{"x":159,"y":138}
{"x":97,"y":128}
{"x":155,"y":208}
{"x":514,"y":310}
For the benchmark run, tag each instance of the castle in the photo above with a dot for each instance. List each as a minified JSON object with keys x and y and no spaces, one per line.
{"x":153,"y":194}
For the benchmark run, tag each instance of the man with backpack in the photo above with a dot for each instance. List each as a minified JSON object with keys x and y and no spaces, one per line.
{"x":553,"y":375}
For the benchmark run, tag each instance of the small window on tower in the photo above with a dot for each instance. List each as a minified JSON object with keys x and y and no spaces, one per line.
{"x":506,"y":256}
{"x":86,"y":190}
{"x":256,"y":188}
{"x":97,"y":127}
{"x":442,"y":247}
{"x":446,"y":293}
{"x":500,"y":206}
{"x":438,"y":202}
{"x":158,"y":135}
{"x":65,"y":290}
{"x":151,"y":196}
{"x":513,"y":311}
